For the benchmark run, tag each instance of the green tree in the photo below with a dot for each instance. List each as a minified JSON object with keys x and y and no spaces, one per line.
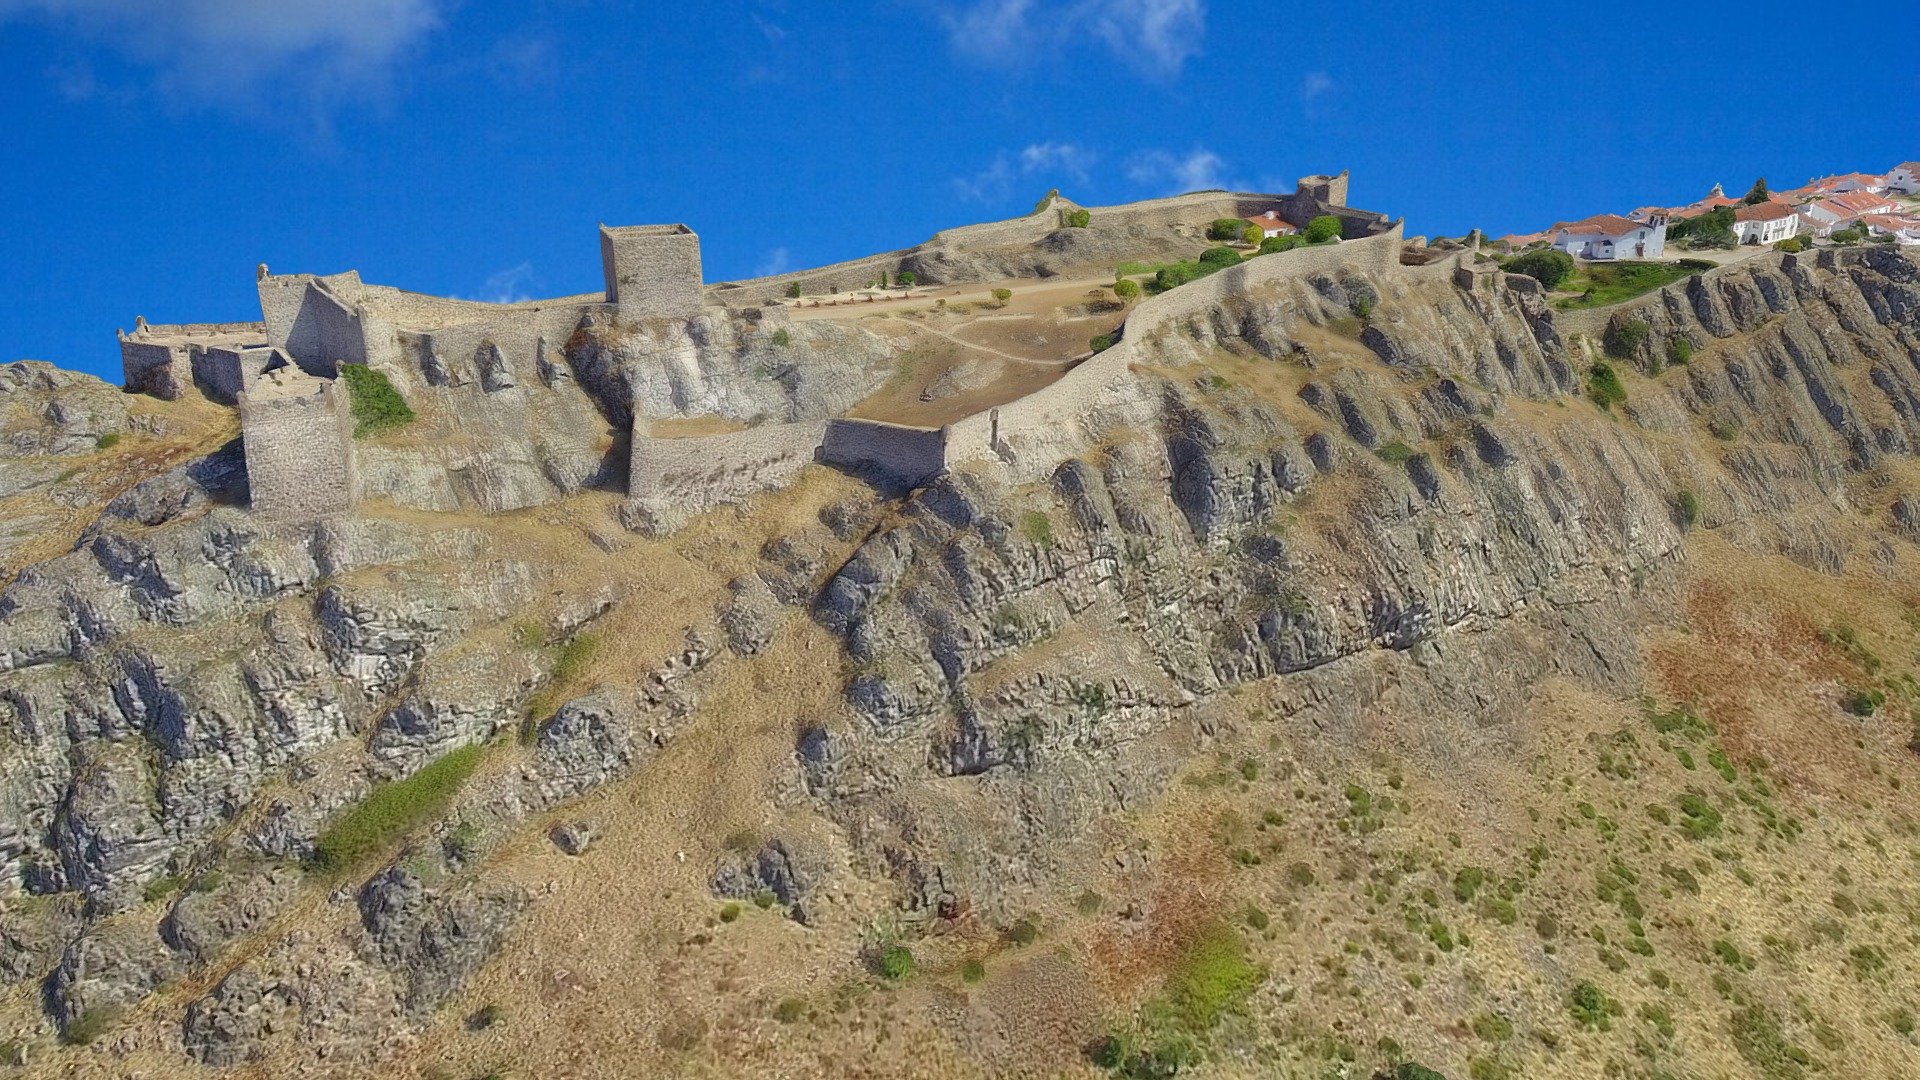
{"x":1078,"y":219}
{"x":1001,"y":296}
{"x":793,"y":290}
{"x":1548,"y":267}
{"x":883,"y":279}
{"x":1227,"y":228}
{"x":1126,"y":288}
{"x":1215,"y":258}
{"x":1756,"y":194}
{"x":1281,"y":243}
{"x":906,"y":278}
{"x":1322,"y":229}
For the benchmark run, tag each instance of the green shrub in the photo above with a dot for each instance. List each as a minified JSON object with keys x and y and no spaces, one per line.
{"x":1001,"y":296}
{"x":1413,"y":1070}
{"x":973,"y":970}
{"x":1492,"y":1027}
{"x":1698,"y":817}
{"x":377,"y":406}
{"x":1322,"y":229}
{"x":1100,"y":343}
{"x":1362,"y":307}
{"x":1126,"y":288}
{"x":1679,"y":350}
{"x":1864,"y":703}
{"x":781,"y":338}
{"x":906,"y":278}
{"x":1603,"y":386}
{"x":1547,"y":266}
{"x":1215,"y":258}
{"x":1847,"y":236}
{"x":1713,"y":229}
{"x":1227,"y":228}
{"x":730,"y":911}
{"x":393,"y":809}
{"x":108,"y":441}
{"x":161,"y":887}
{"x":1288,"y":242}
{"x":1076,"y":219}
{"x":1466,"y":882}
{"x":1758,"y":1038}
{"x":1687,"y":506}
{"x":1592,"y":1008}
{"x":1037,"y":527}
{"x":894,"y":963}
{"x":1395,"y":453}
{"x":1791,"y":245}
{"x":1624,"y":340}
{"x":1023,"y":932}
{"x":91,"y":1024}
{"x":790,"y":1010}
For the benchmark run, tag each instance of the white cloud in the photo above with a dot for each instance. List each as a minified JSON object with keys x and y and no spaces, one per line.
{"x":1045,"y":161}
{"x":1314,"y":84}
{"x":1156,"y":37}
{"x":226,"y":50}
{"x":1199,"y":169}
{"x":507,"y":286}
{"x":776,"y":261}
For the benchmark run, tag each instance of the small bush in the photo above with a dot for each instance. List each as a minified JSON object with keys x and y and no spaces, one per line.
{"x":1126,"y":288}
{"x":1001,"y":296}
{"x":91,"y":1024}
{"x":790,"y":1010}
{"x":1395,"y":453}
{"x":1492,"y":1027}
{"x":1100,"y":343}
{"x":108,"y":441}
{"x":973,"y":970}
{"x":1624,"y":340}
{"x":1592,"y":1008}
{"x":377,"y":406}
{"x":1023,"y":932}
{"x":1847,"y":236}
{"x":1322,"y":229}
{"x":1226,"y":228}
{"x":782,"y":339}
{"x":906,"y":279}
{"x":1272,"y":244}
{"x":793,"y":289}
{"x":1037,"y":527}
{"x":1076,"y":219}
{"x":1864,"y":703}
{"x":1362,"y":307}
{"x":161,"y":887}
{"x":894,"y":963}
{"x":1686,"y":506}
{"x":1679,"y":350}
{"x":730,"y":911}
{"x":393,"y":809}
{"x":1215,"y":258}
{"x":1548,"y":267}
{"x":1604,"y":387}
{"x":1212,"y":979}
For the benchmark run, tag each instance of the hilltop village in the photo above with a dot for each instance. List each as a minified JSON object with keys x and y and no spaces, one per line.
{"x":1843,"y":208}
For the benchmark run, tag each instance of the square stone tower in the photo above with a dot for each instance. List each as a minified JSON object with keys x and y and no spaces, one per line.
{"x":299,"y":445}
{"x":1331,"y":190}
{"x":653,"y":271}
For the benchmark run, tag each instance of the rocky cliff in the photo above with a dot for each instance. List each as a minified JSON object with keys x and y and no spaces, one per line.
{"x":1378,"y":539}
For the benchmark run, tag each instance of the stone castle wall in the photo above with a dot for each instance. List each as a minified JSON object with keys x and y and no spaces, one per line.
{"x":315,"y":319}
{"x":670,"y":480}
{"x":299,"y":446}
{"x":898,"y":452}
{"x":159,"y":359}
{"x":224,"y":373}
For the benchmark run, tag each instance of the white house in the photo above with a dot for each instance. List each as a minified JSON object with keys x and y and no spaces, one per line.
{"x":1842,"y":208}
{"x":1904,"y":228}
{"x":1765,"y":223}
{"x":1904,"y":178}
{"x":1610,"y":236}
{"x":1270,"y":224}
{"x":1853,"y":181}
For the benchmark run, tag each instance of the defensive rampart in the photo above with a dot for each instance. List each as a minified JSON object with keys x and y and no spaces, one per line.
{"x":160,"y":359}
{"x":670,"y":480}
{"x":897,"y":452}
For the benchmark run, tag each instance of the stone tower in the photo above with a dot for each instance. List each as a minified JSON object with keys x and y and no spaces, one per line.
{"x":653,"y":271}
{"x":299,"y":445}
{"x":1329,"y":190}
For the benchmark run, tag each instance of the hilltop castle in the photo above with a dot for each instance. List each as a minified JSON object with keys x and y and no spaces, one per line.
{"x":301,"y":457}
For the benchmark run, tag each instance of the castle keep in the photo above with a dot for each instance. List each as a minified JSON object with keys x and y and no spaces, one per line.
{"x":653,"y":271}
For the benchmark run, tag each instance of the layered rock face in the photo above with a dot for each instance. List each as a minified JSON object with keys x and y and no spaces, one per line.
{"x":1329,"y":512}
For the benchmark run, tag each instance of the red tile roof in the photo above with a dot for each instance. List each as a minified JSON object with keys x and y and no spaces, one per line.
{"x":1766,"y":211}
{"x":1853,"y":203}
{"x":1602,"y":224}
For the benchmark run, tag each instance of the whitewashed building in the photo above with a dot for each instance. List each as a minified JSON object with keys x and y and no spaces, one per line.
{"x":1610,"y":236}
{"x":1904,"y":178}
{"x":1840,"y":209}
{"x":1270,"y":224}
{"x":1765,"y":223}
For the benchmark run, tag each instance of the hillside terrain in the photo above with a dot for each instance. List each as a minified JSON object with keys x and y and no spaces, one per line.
{"x":1391,"y":672}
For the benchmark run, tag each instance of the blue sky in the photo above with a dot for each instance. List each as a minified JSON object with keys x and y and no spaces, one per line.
{"x":157,"y":151}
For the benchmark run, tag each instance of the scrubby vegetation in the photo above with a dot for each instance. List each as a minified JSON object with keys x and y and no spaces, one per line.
{"x":1322,"y":229}
{"x":1601,"y":284}
{"x":394,"y":809}
{"x":1603,"y":386}
{"x":1547,"y":266}
{"x":377,"y":407}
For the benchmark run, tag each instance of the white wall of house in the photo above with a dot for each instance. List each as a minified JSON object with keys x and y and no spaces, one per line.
{"x":1766,"y":232}
{"x":1646,"y":242}
{"x":1904,"y":180}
